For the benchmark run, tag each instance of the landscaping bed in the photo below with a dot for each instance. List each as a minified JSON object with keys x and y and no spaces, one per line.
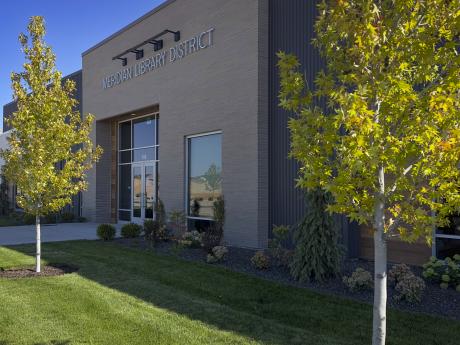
{"x":46,"y":271}
{"x":435,"y":301}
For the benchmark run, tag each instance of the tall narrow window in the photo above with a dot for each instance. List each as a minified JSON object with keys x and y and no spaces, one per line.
{"x":204,"y":174}
{"x":137,"y":166}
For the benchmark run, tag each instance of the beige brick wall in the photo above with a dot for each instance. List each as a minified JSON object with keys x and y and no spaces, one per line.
{"x":220,"y":88}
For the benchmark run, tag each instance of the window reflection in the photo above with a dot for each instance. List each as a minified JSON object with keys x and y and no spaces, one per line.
{"x":204,"y":174}
{"x":144,"y":132}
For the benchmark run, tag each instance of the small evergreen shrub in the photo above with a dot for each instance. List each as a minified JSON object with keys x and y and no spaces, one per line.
{"x":67,"y":217}
{"x":317,"y":254}
{"x":219,"y":253}
{"x":106,"y":232}
{"x":446,"y":272}
{"x":192,"y":239}
{"x":360,"y":280}
{"x":410,"y":288}
{"x":160,"y":212}
{"x":260,"y":261}
{"x":277,"y":250}
{"x":177,"y":222}
{"x":398,"y":272}
{"x":151,"y":227}
{"x":213,"y":235}
{"x":131,"y":230}
{"x":82,"y":219}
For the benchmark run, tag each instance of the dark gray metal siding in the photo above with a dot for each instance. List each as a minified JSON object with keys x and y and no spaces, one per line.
{"x":10,"y":108}
{"x":291,"y":31}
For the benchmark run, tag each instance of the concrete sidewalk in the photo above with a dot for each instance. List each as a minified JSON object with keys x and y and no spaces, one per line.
{"x":11,"y":235}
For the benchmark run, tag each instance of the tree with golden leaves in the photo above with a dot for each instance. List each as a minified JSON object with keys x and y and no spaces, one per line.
{"x":46,"y":131}
{"x":386,"y":145}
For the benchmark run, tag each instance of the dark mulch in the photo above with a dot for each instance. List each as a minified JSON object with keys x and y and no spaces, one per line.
{"x":435,"y":301}
{"x":46,"y":271}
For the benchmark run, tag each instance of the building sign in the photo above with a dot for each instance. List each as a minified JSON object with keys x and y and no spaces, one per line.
{"x":180,"y":51}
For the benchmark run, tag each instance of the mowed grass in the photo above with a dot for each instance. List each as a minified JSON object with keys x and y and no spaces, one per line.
{"x":127,"y":296}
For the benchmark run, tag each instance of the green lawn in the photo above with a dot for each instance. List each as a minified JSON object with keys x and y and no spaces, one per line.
{"x":126,"y":296}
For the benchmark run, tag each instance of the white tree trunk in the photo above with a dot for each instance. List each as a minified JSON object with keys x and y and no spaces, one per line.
{"x":380,"y":268}
{"x":38,"y":245}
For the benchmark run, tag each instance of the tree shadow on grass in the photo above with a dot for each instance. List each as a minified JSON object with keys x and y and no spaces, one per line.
{"x":251,"y":307}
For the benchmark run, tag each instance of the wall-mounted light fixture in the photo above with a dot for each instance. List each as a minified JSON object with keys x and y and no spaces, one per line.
{"x":124,"y":61}
{"x":157,"y":44}
{"x":176,"y":34}
{"x":139,"y":53}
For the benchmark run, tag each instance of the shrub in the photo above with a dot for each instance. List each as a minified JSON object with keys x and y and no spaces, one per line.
{"x":67,"y":217}
{"x":160,"y":212}
{"x":218,"y":254}
{"x":359,"y":280}
{"x":276,"y":247}
{"x":317,"y":254}
{"x":131,"y":230}
{"x":106,"y":232}
{"x":410,"y":288}
{"x":444,"y":272}
{"x":50,"y":218}
{"x":260,"y":261}
{"x":154,"y":230}
{"x":82,"y":219}
{"x":28,"y":219}
{"x":398,"y":272}
{"x":177,"y":220}
{"x":213,"y":235}
{"x":191,"y":239}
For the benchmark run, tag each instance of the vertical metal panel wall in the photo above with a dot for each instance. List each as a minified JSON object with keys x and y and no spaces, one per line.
{"x":291,"y":31}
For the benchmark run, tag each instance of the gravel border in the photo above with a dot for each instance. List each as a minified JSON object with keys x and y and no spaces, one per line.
{"x":435,"y":301}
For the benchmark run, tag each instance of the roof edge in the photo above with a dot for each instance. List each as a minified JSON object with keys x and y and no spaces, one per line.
{"x":64,"y":77}
{"x":129,"y":26}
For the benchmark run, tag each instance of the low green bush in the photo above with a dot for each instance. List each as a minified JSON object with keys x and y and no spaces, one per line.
{"x":260,"y":261}
{"x":154,"y":230}
{"x":360,"y":280}
{"x":106,"y":232}
{"x":131,"y":230}
{"x":67,"y":217}
{"x":446,"y":272}
{"x":281,"y":255}
{"x":192,"y":239}
{"x":219,"y":253}
{"x":28,"y":219}
{"x":410,"y":288}
{"x":398,"y":272}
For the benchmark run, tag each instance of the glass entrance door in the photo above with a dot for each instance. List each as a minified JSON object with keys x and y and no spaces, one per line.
{"x":143,"y":191}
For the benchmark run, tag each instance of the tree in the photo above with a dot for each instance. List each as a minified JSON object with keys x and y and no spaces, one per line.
{"x":46,"y":131}
{"x":213,"y":178}
{"x":317,"y":254}
{"x":386,"y":143}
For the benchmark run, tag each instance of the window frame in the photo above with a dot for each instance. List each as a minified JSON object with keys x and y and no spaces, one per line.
{"x":187,"y":171}
{"x":156,"y":147}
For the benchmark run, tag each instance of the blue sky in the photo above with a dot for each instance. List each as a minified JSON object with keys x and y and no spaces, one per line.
{"x":72,"y":27}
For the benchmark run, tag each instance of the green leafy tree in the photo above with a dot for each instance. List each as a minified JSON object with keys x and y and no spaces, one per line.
{"x":213,"y":178}
{"x":387,"y":143}
{"x":46,"y":131}
{"x":317,"y":254}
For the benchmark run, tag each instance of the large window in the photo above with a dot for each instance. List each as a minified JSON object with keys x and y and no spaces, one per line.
{"x":137,"y":146}
{"x":204,"y":174}
{"x":447,"y":239}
